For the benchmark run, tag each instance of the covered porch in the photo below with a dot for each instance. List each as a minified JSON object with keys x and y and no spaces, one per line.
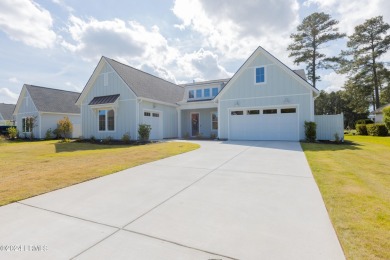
{"x":198,"y":120}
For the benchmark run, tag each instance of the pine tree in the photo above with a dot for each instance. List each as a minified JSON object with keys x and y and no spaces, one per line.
{"x":314,"y":31}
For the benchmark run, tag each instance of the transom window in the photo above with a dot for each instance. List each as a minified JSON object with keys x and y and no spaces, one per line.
{"x":288,"y":110}
{"x":156,"y":115}
{"x":106,"y":120}
{"x":237,"y":113}
{"x":270,"y":111}
{"x":146,"y":113}
{"x":214,"y":120}
{"x":260,"y":75}
{"x":253,"y":112}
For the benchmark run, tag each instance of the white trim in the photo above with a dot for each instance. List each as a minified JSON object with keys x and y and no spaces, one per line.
{"x":158,"y":102}
{"x":40,"y":125}
{"x":50,"y":113}
{"x":106,"y":120}
{"x":137,"y":117}
{"x":311,"y":107}
{"x":179,"y":122}
{"x":191,"y":113}
{"x":233,"y":99}
{"x":211,"y":117}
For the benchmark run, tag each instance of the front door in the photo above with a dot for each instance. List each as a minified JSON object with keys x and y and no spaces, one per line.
{"x":194,"y":124}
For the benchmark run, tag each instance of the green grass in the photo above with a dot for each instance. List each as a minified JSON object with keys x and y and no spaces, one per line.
{"x":354,"y":180}
{"x":31,"y":168}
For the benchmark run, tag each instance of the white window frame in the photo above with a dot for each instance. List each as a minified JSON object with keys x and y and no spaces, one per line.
{"x":106,"y":120}
{"x":265,"y":75}
{"x":211,"y":93}
{"x":25,"y":126}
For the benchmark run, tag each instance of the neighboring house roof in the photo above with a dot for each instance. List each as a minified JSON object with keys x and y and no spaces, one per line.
{"x":379,"y":110}
{"x":301,"y":73}
{"x":145,"y":85}
{"x":6,"y":111}
{"x":104,"y":100}
{"x":53,"y":100}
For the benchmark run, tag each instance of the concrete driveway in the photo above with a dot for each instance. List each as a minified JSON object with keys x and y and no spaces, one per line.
{"x":226,"y":200}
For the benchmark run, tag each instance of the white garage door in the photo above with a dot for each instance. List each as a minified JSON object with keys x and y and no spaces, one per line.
{"x":264,"y":124}
{"x":154,"y":119}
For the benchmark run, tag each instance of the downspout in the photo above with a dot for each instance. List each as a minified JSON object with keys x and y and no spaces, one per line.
{"x":137,"y":117}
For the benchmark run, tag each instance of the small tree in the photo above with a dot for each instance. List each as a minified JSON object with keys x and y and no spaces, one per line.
{"x":144,"y":132}
{"x":64,"y":127}
{"x":12,"y":132}
{"x":386,"y":117}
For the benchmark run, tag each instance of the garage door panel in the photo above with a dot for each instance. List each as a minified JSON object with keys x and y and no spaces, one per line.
{"x":264,"y":126}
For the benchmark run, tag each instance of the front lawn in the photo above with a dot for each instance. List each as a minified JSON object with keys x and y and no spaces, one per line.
{"x":31,"y":168}
{"x":354,"y":180}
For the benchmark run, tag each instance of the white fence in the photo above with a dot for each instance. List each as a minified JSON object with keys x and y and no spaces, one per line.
{"x":329,"y":125}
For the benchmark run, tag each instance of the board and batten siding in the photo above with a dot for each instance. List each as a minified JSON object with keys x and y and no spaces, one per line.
{"x":279,"y":90}
{"x":329,"y":125}
{"x":169,"y":117}
{"x":125,"y":114}
{"x":49,"y":121}
{"x":27,"y":109}
{"x":204,"y":122}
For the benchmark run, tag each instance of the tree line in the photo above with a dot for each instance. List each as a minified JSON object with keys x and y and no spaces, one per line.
{"x":368,"y":77}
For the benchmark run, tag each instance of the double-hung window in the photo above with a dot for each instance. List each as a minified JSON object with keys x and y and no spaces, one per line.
{"x":106,"y":120}
{"x":260,"y":75}
{"x":26,"y":124}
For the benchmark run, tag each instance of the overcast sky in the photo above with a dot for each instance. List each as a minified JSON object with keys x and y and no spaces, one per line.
{"x":57,"y":43}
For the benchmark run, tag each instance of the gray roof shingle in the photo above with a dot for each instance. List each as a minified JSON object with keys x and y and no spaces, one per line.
{"x":146,"y":85}
{"x":104,"y":100}
{"x":54,"y":100}
{"x":6,"y":111}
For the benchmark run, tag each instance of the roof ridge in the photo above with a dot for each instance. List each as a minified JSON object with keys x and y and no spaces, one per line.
{"x":143,"y":72}
{"x":52,"y":88}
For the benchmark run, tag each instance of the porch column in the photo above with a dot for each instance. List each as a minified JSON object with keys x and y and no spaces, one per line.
{"x":179,"y":123}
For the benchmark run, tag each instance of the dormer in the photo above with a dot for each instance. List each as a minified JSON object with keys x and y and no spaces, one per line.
{"x":203,"y":91}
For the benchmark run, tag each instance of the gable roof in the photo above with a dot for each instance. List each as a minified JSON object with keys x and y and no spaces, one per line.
{"x":145,"y":85}
{"x":379,"y":110}
{"x":6,"y":111}
{"x":299,"y":75}
{"x":53,"y":100}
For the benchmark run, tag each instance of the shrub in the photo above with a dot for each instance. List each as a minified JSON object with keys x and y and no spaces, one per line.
{"x":363,"y":122}
{"x":107,"y":140}
{"x":144,"y":132}
{"x":64,"y":127}
{"x":213,"y":136}
{"x":377,"y":129}
{"x":186,"y":135}
{"x":48,"y":134}
{"x":92,"y":138}
{"x":12,"y":132}
{"x":336,"y":138}
{"x":386,"y":117}
{"x":310,"y":131}
{"x":361,"y":129}
{"x":126,"y":138}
